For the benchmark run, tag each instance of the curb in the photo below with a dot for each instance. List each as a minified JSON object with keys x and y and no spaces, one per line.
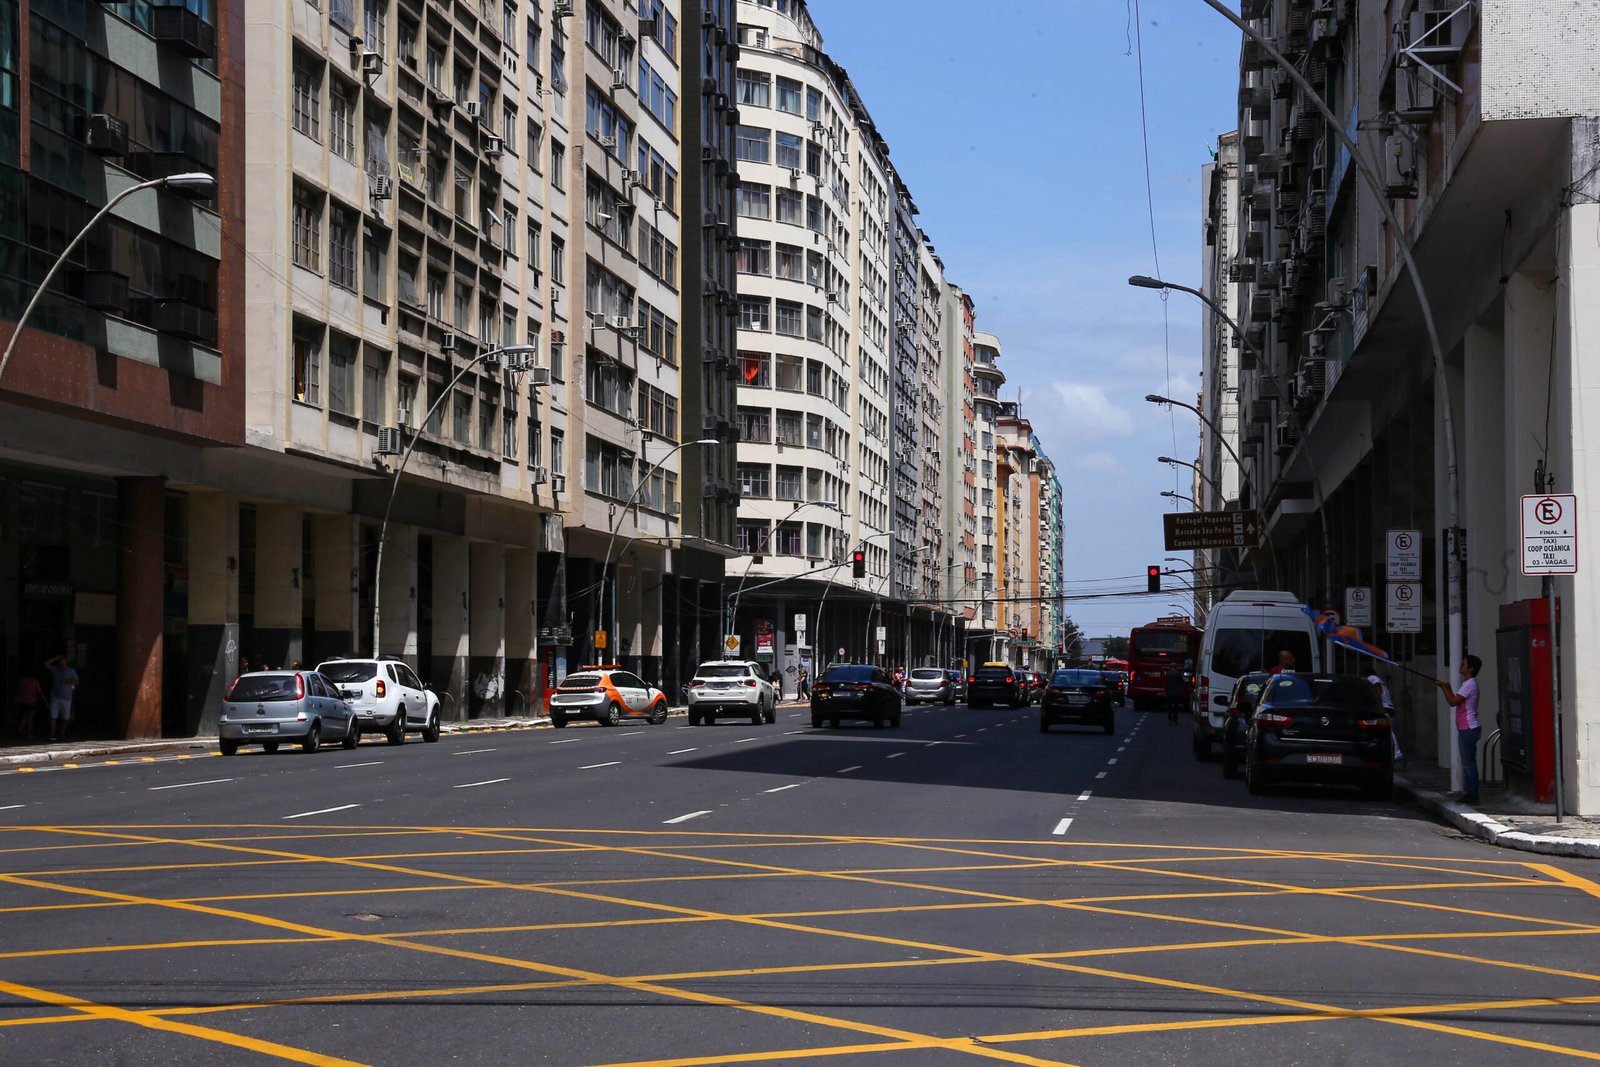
{"x":1485,"y":828}
{"x":59,"y":755}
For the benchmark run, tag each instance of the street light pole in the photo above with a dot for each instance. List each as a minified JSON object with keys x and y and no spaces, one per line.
{"x":1212,"y":482}
{"x":1174,"y":494}
{"x":195,"y":184}
{"x":633,"y":497}
{"x":733,"y":601}
{"x":519,"y":351}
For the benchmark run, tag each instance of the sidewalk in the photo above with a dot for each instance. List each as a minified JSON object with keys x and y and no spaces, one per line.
{"x":1499,"y":817}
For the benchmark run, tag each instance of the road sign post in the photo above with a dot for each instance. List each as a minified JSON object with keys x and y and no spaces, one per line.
{"x":1358,"y":605}
{"x":730,"y":644}
{"x":1404,"y":555}
{"x":1403,"y":609}
{"x":1550,"y":547}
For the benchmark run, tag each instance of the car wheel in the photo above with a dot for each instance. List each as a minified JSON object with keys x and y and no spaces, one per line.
{"x":759,"y":716}
{"x":396,"y":733}
{"x":659,"y":714}
{"x":1110,"y":725}
{"x":1199,"y":745}
{"x":352,"y":734}
{"x":228,"y":748}
{"x":1252,"y":778}
{"x":833,"y":723}
{"x":269,"y":747}
{"x":816,"y":723}
{"x":1230,"y":764}
{"x":1044,"y":725}
{"x":558,"y":721}
{"x":313,"y":738}
{"x":430,"y":732}
{"x":613,"y":715}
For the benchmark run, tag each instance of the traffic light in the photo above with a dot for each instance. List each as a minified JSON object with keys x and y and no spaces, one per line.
{"x":858,"y":563}
{"x":1153,"y":573}
{"x":1024,"y":633}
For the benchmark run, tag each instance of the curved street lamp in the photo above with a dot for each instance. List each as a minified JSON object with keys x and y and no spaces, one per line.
{"x":1174,"y":494}
{"x":1212,"y":482}
{"x":522,"y":355}
{"x":195,"y":184}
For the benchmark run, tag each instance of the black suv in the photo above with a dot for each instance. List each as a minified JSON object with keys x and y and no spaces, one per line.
{"x":997,"y":683}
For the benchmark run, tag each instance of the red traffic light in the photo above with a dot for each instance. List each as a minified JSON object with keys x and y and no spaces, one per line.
{"x":1153,"y":577}
{"x":858,"y":563}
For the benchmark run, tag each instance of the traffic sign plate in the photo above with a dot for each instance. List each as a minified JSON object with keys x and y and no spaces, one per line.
{"x":1186,"y":530}
{"x":730,"y":644}
{"x":1550,"y":534}
{"x":1404,"y":555}
{"x":1358,"y":605}
{"x":1403,"y":612}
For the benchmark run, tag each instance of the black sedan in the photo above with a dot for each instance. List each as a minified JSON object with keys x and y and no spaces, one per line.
{"x":855,"y":691}
{"x":1241,"y":705}
{"x":1077,"y":696}
{"x":1327,"y":728}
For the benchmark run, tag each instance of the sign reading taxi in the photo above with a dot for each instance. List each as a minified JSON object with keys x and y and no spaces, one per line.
{"x":1550,"y":534}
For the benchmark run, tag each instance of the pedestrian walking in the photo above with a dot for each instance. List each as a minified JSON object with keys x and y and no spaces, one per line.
{"x":803,"y":684}
{"x":1465,"y":700}
{"x":28,"y":701}
{"x":63,"y":683}
{"x":776,"y":678}
{"x":1387,"y":701}
{"x":1174,"y":686}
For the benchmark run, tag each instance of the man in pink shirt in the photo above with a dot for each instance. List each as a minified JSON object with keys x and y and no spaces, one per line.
{"x":1468,"y":729}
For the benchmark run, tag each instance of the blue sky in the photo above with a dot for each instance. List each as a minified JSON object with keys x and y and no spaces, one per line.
{"x":1016,"y":126}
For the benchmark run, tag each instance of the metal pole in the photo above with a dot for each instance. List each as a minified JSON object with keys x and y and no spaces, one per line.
{"x":1555,"y":695}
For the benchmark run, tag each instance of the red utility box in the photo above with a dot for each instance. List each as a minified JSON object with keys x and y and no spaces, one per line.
{"x":1527,"y":716}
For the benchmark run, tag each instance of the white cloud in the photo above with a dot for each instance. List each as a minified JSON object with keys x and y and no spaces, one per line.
{"x":1086,"y":413}
{"x":1099,"y":463}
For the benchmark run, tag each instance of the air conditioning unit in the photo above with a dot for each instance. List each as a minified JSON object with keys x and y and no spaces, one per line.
{"x":674,"y":508}
{"x":561,"y":9}
{"x":388,"y":442}
{"x":382,"y":186}
{"x":782,"y":440}
{"x":647,"y":28}
{"x":538,"y":376}
{"x":540,"y":475}
{"x":371,"y":65}
{"x":558,"y":483}
{"x":606,"y":142}
{"x":1287,"y":435}
{"x":494,"y":146}
{"x":619,"y":78}
{"x":473,"y":108}
{"x":555,"y":293}
{"x":447,"y":343}
{"x":105,"y":135}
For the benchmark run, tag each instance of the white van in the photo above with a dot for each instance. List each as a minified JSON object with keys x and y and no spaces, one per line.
{"x":1245,"y":633}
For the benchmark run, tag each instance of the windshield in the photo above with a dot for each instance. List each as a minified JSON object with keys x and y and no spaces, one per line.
{"x":1161,"y":642}
{"x":348,"y":670}
{"x":1064,"y":678}
{"x":1236,"y":652}
{"x":848,"y":674}
{"x":728,"y":670}
{"x":580,"y":681}
{"x":1320,"y":690}
{"x":264,"y":687}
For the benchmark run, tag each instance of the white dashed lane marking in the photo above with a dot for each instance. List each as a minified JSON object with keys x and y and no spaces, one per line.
{"x":323,"y":811}
{"x":186,"y":785}
{"x":686,"y":818}
{"x":1061,"y":827}
{"x":1085,"y":795}
{"x":847,"y":770}
{"x":681,"y":751}
{"x":474,"y":785}
{"x":595,"y":766}
{"x":779,"y":789}
{"x":474,"y":751}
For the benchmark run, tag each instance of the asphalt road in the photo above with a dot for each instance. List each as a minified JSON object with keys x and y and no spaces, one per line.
{"x":963,"y":888}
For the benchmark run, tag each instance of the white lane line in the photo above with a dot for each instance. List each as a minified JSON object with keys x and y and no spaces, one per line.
{"x":792,"y":733}
{"x":322,"y":811}
{"x":347,"y":766}
{"x":631,"y":733}
{"x":186,"y":785}
{"x":1111,"y":762}
{"x":959,"y":736}
{"x":1123,"y":749}
{"x":1102,"y":774}
{"x":681,"y":751}
{"x":594,"y":766}
{"x":1086,"y":794}
{"x":746,"y":740}
{"x":10,"y":807}
{"x":491,"y":781}
{"x":686,"y":818}
{"x":566,"y":740}
{"x":474,"y":751}
{"x":1061,"y":827}
{"x":894,"y":755}
{"x":781,"y":788}
{"x":847,"y":770}
{"x":683,"y":727}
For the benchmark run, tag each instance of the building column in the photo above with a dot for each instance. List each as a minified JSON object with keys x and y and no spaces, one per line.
{"x":487,"y":630}
{"x":398,"y":604}
{"x":451,"y":609}
{"x":279,"y":600}
{"x":521,"y":593}
{"x":141,"y":570}
{"x":1484,"y":504}
{"x":333,"y":563}
{"x":213,"y":604}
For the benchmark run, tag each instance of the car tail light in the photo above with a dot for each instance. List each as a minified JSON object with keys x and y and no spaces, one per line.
{"x":1271,"y":720}
{"x":299,"y":687}
{"x":1380,"y":725}
{"x":1202,"y":691}
{"x":1009,"y":679}
{"x":751,"y":682}
{"x":973,"y":680}
{"x":1100,"y":692}
{"x":1052,"y":692}
{"x":693,"y":682}
{"x":382,"y":688}
{"x":863,"y":688}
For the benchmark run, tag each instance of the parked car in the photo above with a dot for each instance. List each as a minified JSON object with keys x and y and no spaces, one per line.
{"x":929,"y":685}
{"x":1117,"y":683}
{"x":855,"y":691}
{"x":267,"y":708}
{"x":388,"y":697}
{"x":1327,"y":728}
{"x":996,"y":683}
{"x":608,"y":695}
{"x":1242,"y":705}
{"x":1077,"y":696}
{"x":958,"y":684}
{"x":1040,"y":680}
{"x":730,"y":688}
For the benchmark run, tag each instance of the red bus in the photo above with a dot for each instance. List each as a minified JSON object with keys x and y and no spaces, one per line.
{"x":1153,"y":650}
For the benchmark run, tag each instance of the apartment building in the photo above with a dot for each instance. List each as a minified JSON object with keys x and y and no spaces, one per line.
{"x":125,"y":390}
{"x":1354,"y":425}
{"x":959,"y":516}
{"x":985,"y":634}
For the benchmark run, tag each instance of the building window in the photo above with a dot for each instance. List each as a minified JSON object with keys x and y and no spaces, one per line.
{"x":789,"y":372}
{"x":307,"y":250}
{"x":788,"y":539}
{"x":754,"y":88}
{"x":753,"y":144}
{"x":342,"y":375}
{"x":558,"y":451}
{"x":790,"y":204}
{"x":375,"y":386}
{"x":791,"y":262}
{"x":755,"y":200}
{"x":751,"y":538}
{"x":342,"y":250}
{"x":307,"y":368}
{"x":788,"y":150}
{"x":558,"y":166}
{"x":788,"y":319}
{"x":788,"y":484}
{"x":341,"y":121}
{"x":755,"y":369}
{"x":607,"y":469}
{"x":375,"y":266}
{"x":755,"y":425}
{"x":754,"y":257}
{"x":755,"y":313}
{"x":755,"y":480}
{"x":307,"y":101}
{"x":789,"y":95}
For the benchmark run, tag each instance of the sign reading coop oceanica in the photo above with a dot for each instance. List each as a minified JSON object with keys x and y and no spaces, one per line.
{"x":1550,"y":534}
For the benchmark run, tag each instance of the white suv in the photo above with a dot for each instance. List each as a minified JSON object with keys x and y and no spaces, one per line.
{"x":730,"y":688}
{"x":387,"y":696}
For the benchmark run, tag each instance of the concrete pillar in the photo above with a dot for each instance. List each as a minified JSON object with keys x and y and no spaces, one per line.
{"x":279,"y":599}
{"x":487,"y":630}
{"x":451,"y":612}
{"x":1443,"y":713}
{"x":213,"y":605}
{"x":141,"y":513}
{"x":521,"y":593}
{"x":398,"y":604}
{"x":333,"y":564}
{"x":1484,"y":504}
{"x":1530,"y":318}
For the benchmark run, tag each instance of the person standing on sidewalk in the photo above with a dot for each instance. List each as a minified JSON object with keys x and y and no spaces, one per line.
{"x":1387,"y":701}
{"x":1468,"y":729}
{"x":29,"y":699}
{"x":63,"y":682}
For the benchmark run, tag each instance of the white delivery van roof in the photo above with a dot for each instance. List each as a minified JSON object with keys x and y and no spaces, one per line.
{"x":1262,"y":597}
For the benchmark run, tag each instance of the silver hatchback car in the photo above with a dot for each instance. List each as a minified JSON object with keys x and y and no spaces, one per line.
{"x":267,"y":708}
{"x":929,"y":685}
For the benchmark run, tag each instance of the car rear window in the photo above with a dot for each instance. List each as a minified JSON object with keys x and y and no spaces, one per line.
{"x":1310,"y":689}
{"x":264,"y":687}
{"x":927,"y":674}
{"x":351,"y":671}
{"x":995,"y":674}
{"x":1236,"y":651}
{"x":1076,"y":678}
{"x":579,"y":681}
{"x":848,"y":674}
{"x":724,"y":671}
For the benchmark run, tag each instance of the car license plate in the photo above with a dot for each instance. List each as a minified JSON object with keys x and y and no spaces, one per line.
{"x":1324,"y":757}
{"x":1077,"y":698}
{"x":260,"y":729}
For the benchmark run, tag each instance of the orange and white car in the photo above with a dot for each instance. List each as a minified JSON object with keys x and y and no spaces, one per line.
{"x":607,"y":694}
